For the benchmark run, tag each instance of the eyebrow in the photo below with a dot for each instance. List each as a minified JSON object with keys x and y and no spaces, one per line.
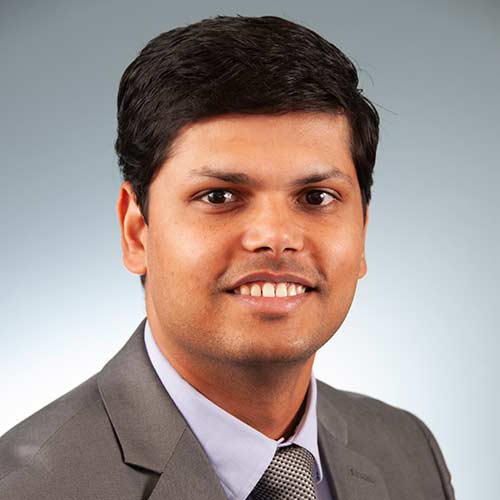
{"x":241,"y":178}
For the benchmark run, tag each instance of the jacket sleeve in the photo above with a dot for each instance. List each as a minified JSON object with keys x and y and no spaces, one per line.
{"x":444,"y":473}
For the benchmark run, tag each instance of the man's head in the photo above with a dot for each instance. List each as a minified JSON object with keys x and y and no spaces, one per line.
{"x":274,"y":102}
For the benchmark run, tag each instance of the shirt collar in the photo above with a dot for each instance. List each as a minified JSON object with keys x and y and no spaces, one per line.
{"x":223,"y":437}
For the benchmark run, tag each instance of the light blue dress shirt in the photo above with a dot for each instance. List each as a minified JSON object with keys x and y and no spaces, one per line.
{"x":238,"y":453}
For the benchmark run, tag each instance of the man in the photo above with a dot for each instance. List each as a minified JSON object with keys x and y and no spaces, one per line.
{"x":247,"y":152}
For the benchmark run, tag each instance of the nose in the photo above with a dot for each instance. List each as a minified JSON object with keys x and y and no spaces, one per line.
{"x":273,"y":228}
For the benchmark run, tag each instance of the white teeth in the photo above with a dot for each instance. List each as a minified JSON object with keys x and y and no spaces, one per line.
{"x":269,"y":289}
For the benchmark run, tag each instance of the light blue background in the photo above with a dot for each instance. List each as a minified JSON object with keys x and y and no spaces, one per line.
{"x":421,"y":333}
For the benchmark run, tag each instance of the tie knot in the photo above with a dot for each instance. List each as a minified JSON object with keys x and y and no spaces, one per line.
{"x":288,"y":477}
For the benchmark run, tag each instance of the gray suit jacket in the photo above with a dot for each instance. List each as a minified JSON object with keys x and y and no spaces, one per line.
{"x":119,"y":436}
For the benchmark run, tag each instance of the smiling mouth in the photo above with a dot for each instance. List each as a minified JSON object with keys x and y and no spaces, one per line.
{"x":271,"y":306}
{"x":266,"y":289}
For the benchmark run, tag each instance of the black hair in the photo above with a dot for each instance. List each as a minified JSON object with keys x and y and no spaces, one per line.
{"x":238,"y":65}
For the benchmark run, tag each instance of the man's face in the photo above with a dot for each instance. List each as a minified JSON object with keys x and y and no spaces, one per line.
{"x":204,"y":234}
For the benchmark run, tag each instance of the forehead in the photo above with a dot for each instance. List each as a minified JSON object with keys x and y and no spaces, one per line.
{"x":264,"y":145}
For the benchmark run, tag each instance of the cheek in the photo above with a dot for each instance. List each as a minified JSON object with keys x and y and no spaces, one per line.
{"x":185,"y":259}
{"x":344,"y":255}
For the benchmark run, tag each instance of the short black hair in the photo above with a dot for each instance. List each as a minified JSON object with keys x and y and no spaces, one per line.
{"x":235,"y":65}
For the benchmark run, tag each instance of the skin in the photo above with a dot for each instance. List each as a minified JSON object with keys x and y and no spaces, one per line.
{"x":255,"y":366}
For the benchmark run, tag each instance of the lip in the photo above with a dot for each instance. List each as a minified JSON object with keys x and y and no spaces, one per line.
{"x":277,"y":278}
{"x":272,"y":305}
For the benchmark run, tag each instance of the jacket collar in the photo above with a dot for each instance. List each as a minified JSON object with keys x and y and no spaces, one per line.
{"x":351,"y":475}
{"x":150,"y":430}
{"x":143,"y":417}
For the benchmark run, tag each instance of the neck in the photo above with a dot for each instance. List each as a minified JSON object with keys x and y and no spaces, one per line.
{"x":271,"y":398}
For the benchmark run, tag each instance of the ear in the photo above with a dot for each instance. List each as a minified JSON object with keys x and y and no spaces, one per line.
{"x":362,"y":265}
{"x":133,"y":230}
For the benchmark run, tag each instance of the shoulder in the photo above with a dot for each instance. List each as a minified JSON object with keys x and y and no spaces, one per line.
{"x":369,"y":413}
{"x":359,"y":407}
{"x":70,"y":449}
{"x":378,"y":429}
{"x":20,"y":445}
{"x":50,"y":439}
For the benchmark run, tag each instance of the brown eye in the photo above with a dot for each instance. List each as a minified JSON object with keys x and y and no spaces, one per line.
{"x":217,"y":196}
{"x":317,"y":197}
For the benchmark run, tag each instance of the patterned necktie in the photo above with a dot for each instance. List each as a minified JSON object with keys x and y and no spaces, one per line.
{"x":288,"y":477}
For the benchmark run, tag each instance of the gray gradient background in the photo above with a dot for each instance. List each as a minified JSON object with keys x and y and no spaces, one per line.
{"x":421,"y":333}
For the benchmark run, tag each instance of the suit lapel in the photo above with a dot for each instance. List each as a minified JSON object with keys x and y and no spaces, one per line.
{"x":352,"y":476}
{"x":151,"y":432}
{"x":188,"y":474}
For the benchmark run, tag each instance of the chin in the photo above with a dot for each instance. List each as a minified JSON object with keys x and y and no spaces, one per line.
{"x":257,"y":354}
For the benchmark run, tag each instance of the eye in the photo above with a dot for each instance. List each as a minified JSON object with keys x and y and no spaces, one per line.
{"x":317,"y":196}
{"x":217,"y":196}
